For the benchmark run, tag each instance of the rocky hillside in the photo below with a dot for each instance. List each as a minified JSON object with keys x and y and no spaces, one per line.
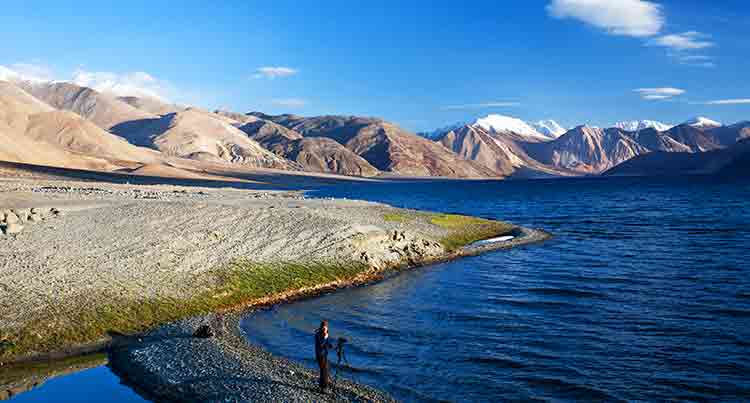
{"x":731,"y":161}
{"x":200,"y":135}
{"x":103,"y":110}
{"x":385,"y":146}
{"x":32,"y":132}
{"x":586,"y":150}
{"x":315,"y":154}
{"x":497,"y":151}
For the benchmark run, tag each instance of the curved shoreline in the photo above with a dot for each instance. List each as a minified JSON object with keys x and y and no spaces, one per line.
{"x":157,"y":366}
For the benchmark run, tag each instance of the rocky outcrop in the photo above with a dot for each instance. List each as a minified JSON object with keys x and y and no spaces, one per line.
{"x":12,"y":220}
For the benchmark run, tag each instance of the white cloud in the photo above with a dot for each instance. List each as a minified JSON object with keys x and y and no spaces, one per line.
{"x":289,"y":102}
{"x":26,"y":72}
{"x":481,"y":106}
{"x":690,"y":40}
{"x":274,"y":72}
{"x":660,"y":93}
{"x":739,"y":101}
{"x":636,"y":18}
{"x":137,"y":84}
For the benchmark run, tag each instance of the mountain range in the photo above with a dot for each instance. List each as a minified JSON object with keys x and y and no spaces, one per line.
{"x":62,"y":124}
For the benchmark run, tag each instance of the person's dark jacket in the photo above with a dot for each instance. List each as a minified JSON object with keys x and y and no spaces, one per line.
{"x":321,"y":346}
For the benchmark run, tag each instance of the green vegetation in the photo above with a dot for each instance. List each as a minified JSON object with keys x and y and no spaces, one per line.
{"x":89,"y":320}
{"x":465,"y":230}
{"x":398,"y":217}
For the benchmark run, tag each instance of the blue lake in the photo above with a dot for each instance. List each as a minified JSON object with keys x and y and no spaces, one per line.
{"x":644,"y":293}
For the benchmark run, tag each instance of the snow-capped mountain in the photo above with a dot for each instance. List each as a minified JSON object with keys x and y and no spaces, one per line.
{"x":549,"y":128}
{"x":702,"y":123}
{"x":505,"y":124}
{"x":638,"y":125}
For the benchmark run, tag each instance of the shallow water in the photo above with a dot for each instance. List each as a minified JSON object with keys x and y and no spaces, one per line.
{"x":644,"y":293}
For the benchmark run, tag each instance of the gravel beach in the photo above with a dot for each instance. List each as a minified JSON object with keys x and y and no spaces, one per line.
{"x":94,"y":262}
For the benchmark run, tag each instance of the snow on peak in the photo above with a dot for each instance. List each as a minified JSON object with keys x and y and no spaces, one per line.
{"x":702,"y":122}
{"x":549,"y":128}
{"x":637,"y":125}
{"x":500,"y":123}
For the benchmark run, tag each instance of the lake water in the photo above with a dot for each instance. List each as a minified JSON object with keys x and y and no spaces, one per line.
{"x":644,"y":293}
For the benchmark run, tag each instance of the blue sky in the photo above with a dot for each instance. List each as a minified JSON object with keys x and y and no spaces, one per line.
{"x":419,"y":64}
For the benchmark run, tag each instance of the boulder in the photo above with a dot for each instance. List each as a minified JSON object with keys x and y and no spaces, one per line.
{"x":12,"y":218}
{"x":203,"y":332}
{"x":13,"y":228}
{"x":36,"y":217}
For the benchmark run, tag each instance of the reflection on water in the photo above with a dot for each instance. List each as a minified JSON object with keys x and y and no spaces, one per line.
{"x":97,"y":384}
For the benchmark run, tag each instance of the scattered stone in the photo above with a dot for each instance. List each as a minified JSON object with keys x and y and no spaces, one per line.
{"x":204,"y":332}
{"x":13,"y":228}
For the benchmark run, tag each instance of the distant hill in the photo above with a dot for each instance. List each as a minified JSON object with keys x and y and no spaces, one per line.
{"x":103,"y":110}
{"x":733,"y":161}
{"x":202,"y":136}
{"x":314,"y":154}
{"x":385,"y":146}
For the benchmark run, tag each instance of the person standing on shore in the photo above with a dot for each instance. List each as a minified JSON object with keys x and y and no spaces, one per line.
{"x":321,"y":355}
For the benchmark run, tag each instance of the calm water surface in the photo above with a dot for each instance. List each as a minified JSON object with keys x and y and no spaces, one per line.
{"x":643,"y":294}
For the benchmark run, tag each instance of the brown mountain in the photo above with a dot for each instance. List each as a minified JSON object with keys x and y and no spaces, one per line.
{"x":658,"y":141}
{"x":497,"y":151}
{"x":151,"y":105}
{"x":315,"y":154}
{"x":385,"y":146}
{"x":696,"y":138}
{"x":734,"y":160}
{"x":586,"y":150}
{"x":202,"y":136}
{"x":102,"y":109}
{"x":34,"y":133}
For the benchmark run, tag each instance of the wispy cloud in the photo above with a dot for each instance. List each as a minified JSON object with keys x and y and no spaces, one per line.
{"x":738,"y":101}
{"x":137,"y":84}
{"x":289,"y":102}
{"x":694,"y":60}
{"x":659,"y":93}
{"x":640,"y":19}
{"x":636,"y":18}
{"x":690,"y":40}
{"x":274,"y":72}
{"x":481,"y":105}
{"x":26,"y":72}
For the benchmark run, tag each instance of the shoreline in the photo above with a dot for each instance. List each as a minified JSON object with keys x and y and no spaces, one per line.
{"x":140,"y":360}
{"x":363,"y":242}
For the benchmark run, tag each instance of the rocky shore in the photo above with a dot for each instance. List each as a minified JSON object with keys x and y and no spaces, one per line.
{"x":102,"y":261}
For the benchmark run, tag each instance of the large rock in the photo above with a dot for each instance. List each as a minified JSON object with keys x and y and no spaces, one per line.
{"x":12,"y":218}
{"x":13,"y":228}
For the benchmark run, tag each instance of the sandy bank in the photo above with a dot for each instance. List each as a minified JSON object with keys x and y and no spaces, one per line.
{"x":167,"y":364}
{"x":124,"y":258}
